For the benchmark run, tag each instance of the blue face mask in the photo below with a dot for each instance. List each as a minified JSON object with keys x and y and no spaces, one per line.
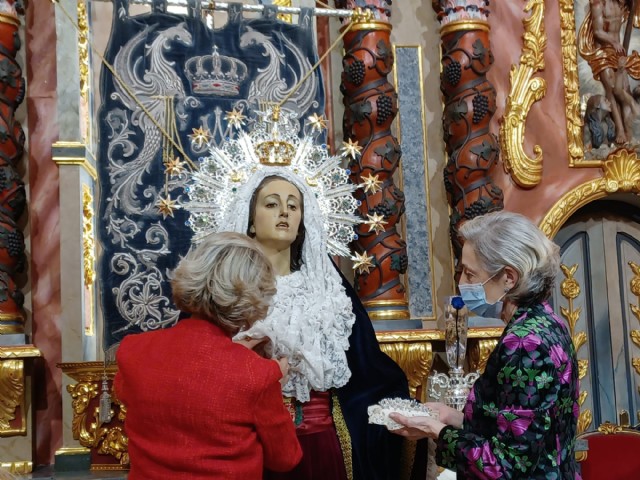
{"x":475,"y":298}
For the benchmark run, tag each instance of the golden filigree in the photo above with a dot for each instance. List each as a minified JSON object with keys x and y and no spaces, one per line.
{"x":83,"y":59}
{"x":525,"y":90}
{"x":81,"y":394}
{"x":636,"y":364}
{"x":570,"y":289}
{"x":583,"y":366}
{"x":88,"y":237}
{"x":582,"y":397}
{"x":571,"y":84}
{"x":86,"y":426}
{"x":635,"y":281}
{"x":479,"y":354}
{"x":584,"y":421}
{"x":116,"y":444}
{"x":621,"y":173}
{"x":635,"y":337}
{"x":415,"y":359}
{"x":11,"y":396}
{"x":343,"y":435}
{"x":609,"y":428}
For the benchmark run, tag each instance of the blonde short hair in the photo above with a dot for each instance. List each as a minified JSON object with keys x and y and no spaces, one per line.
{"x":227,"y":280}
{"x":509,"y":239}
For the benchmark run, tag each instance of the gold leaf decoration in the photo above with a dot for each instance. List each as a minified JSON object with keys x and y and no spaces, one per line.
{"x":622,"y":172}
{"x":635,"y":337}
{"x":579,"y":339}
{"x":583,"y":366}
{"x":11,"y":392}
{"x":609,"y":428}
{"x":525,"y":90}
{"x":636,"y":364}
{"x":584,"y":421}
{"x":571,"y":83}
{"x":582,"y":397}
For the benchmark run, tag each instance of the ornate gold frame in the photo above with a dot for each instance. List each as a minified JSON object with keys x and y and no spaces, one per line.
{"x":621,"y":174}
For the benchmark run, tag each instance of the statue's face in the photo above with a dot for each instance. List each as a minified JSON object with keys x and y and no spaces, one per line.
{"x":278,"y":214}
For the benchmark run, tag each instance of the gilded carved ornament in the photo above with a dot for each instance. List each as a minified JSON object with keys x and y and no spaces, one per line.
{"x":11,"y":396}
{"x":525,"y":90}
{"x":83,"y":59}
{"x":635,"y":309}
{"x":479,"y":354}
{"x":415,"y":359}
{"x":88,"y":237}
{"x":568,"y":44}
{"x":621,"y":174}
{"x":86,"y":426}
{"x":570,"y":289}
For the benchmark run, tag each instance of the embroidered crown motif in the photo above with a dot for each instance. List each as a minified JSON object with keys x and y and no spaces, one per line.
{"x":273,"y":142}
{"x":216,"y":74}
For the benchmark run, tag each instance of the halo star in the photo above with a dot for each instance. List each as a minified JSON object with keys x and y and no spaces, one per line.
{"x":200,"y":136}
{"x":173,"y":166}
{"x":372,"y":184}
{"x":166,"y":206}
{"x":362,"y":262}
{"x":317,"y":122}
{"x":376,"y":223}
{"x":351,"y":149}
{"x":235,"y":118}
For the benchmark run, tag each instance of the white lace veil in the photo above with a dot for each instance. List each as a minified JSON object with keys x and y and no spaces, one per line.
{"x":311,"y":317}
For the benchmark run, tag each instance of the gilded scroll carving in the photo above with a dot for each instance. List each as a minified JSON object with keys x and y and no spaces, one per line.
{"x":416,"y":360}
{"x":104,"y":438}
{"x":525,"y":90}
{"x":571,"y":86}
{"x":479,"y":354}
{"x":11,"y":396}
{"x":570,"y":289}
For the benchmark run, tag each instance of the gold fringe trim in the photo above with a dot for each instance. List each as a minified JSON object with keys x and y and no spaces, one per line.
{"x":343,"y":434}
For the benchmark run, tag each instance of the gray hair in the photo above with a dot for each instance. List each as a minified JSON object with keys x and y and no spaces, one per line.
{"x":509,"y":239}
{"x":225,"y":279}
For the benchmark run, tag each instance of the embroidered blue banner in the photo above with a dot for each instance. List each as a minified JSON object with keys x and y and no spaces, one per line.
{"x":173,"y":75}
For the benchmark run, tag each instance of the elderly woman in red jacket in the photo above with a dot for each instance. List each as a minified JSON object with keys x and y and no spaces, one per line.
{"x":200,"y":406}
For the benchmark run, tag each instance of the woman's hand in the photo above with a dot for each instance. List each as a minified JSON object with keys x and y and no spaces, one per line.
{"x":446,"y":414}
{"x":417,"y":428}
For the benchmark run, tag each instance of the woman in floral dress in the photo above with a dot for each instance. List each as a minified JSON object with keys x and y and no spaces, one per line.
{"x":521,"y":415}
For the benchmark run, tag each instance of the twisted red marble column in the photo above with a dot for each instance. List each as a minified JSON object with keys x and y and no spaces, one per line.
{"x":370,"y":106}
{"x":469,"y":105}
{"x":12,"y":192}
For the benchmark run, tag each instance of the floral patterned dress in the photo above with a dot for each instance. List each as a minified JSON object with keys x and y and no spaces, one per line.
{"x":520,"y":417}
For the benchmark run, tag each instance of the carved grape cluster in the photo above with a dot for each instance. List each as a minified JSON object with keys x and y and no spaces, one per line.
{"x":480,"y":107}
{"x":453,"y":72}
{"x":15,"y":243}
{"x":385,"y":108}
{"x":355,"y":72}
{"x":476,"y":209}
{"x":384,"y":208}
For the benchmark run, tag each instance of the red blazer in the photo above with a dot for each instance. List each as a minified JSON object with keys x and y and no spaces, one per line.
{"x":202,"y":407}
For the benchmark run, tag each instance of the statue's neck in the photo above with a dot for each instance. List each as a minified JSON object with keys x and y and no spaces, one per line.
{"x":280,"y":260}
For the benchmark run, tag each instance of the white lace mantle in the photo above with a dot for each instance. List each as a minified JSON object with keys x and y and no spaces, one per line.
{"x":312,"y":336}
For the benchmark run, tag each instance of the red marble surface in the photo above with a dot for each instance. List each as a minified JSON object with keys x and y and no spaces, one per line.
{"x":43,"y":210}
{"x":546,"y":123}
